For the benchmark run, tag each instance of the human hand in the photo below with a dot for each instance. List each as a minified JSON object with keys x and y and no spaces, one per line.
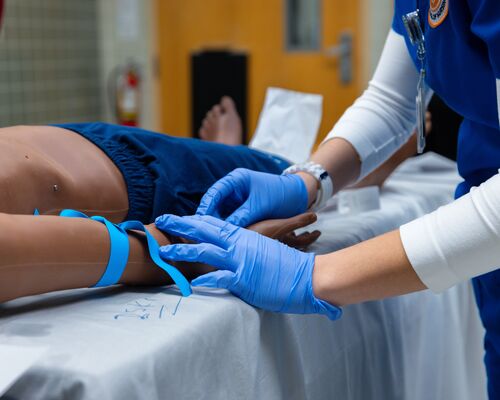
{"x":243,"y":197}
{"x":259,"y":270}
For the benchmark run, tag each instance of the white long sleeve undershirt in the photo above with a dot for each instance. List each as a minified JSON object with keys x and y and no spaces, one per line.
{"x":384,"y":117}
{"x":457,"y":241}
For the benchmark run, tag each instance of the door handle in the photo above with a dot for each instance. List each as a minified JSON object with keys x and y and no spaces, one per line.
{"x":343,"y":51}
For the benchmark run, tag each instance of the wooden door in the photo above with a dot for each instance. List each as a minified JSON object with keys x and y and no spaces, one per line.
{"x":258,"y":27}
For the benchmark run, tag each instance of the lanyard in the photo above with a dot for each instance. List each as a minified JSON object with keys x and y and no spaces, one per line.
{"x":414,"y":29}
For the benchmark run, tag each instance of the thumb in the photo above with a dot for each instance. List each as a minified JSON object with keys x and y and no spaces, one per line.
{"x":243,"y":216}
{"x":218,"y":279}
{"x":209,"y":202}
{"x":216,"y":194}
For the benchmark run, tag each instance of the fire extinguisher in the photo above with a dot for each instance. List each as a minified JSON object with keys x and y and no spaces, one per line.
{"x":125,"y":94}
{"x":1,"y":12}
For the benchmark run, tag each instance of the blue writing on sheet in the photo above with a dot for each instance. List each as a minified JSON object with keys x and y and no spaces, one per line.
{"x":148,"y":308}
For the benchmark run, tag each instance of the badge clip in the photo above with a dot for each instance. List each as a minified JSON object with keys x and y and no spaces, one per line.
{"x":412,"y":25}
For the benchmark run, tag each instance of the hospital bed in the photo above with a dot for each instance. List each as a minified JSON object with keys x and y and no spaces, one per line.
{"x":149,"y":343}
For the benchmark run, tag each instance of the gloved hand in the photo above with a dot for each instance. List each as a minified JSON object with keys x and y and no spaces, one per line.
{"x":245,"y":197}
{"x":261,"y":271}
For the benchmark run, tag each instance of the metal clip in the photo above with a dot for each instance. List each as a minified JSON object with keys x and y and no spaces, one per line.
{"x":414,"y":29}
{"x":411,"y":22}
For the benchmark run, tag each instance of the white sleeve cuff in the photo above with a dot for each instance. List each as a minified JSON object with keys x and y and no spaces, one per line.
{"x":354,"y":132}
{"x":428,"y":263}
{"x":458,"y":241}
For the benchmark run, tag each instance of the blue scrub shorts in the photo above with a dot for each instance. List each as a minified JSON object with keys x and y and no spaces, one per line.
{"x":166,"y":174}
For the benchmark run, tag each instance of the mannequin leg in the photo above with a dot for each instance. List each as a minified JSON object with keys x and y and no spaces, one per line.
{"x":50,"y":169}
{"x":47,"y":253}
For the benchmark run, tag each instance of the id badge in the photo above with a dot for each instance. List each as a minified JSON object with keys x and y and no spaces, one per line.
{"x":412,"y":24}
{"x":421,"y":113}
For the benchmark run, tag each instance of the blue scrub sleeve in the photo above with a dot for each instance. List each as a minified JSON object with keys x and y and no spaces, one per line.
{"x":397,"y":23}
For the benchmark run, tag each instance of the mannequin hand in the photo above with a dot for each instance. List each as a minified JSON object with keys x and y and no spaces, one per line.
{"x":284,"y":230}
{"x":259,"y":270}
{"x":244,"y":197}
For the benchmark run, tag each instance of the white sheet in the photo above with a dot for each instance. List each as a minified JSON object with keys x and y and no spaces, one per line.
{"x":116,"y":343}
{"x":16,"y":360}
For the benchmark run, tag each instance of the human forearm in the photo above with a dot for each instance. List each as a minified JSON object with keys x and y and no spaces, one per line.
{"x":371,"y":270}
{"x":409,"y":149}
{"x":451,"y":245}
{"x":345,"y":165}
{"x":377,"y":124}
{"x":380,"y":175}
{"x":384,"y":116}
{"x":339,"y":158}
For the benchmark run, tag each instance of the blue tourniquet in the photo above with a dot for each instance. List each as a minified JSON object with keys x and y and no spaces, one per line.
{"x":120,"y":251}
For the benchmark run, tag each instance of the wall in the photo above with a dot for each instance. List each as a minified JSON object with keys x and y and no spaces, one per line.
{"x":49,"y":62}
{"x":127,"y":32}
{"x":56,"y":57}
{"x":376,"y":17}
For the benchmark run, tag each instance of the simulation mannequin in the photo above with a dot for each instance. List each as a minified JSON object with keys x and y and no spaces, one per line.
{"x":50,"y":169}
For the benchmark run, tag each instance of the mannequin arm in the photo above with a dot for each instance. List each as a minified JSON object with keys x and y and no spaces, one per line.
{"x":45,"y":253}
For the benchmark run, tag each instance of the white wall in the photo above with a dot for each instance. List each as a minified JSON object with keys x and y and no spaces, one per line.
{"x":376,"y":16}
{"x":127,"y":32}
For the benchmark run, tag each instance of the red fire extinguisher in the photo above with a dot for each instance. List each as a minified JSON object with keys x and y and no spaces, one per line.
{"x":1,"y":12}
{"x":125,"y":94}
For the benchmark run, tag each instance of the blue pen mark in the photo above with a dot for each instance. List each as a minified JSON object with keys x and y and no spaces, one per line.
{"x":146,"y":308}
{"x":143,"y":303}
{"x":177,"y":306}
{"x":132,"y":315}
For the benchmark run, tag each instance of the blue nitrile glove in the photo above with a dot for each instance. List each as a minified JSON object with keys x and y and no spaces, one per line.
{"x":243,"y":197}
{"x":261,"y":271}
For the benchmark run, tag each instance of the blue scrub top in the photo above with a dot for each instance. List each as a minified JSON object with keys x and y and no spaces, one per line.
{"x":463,"y":67}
